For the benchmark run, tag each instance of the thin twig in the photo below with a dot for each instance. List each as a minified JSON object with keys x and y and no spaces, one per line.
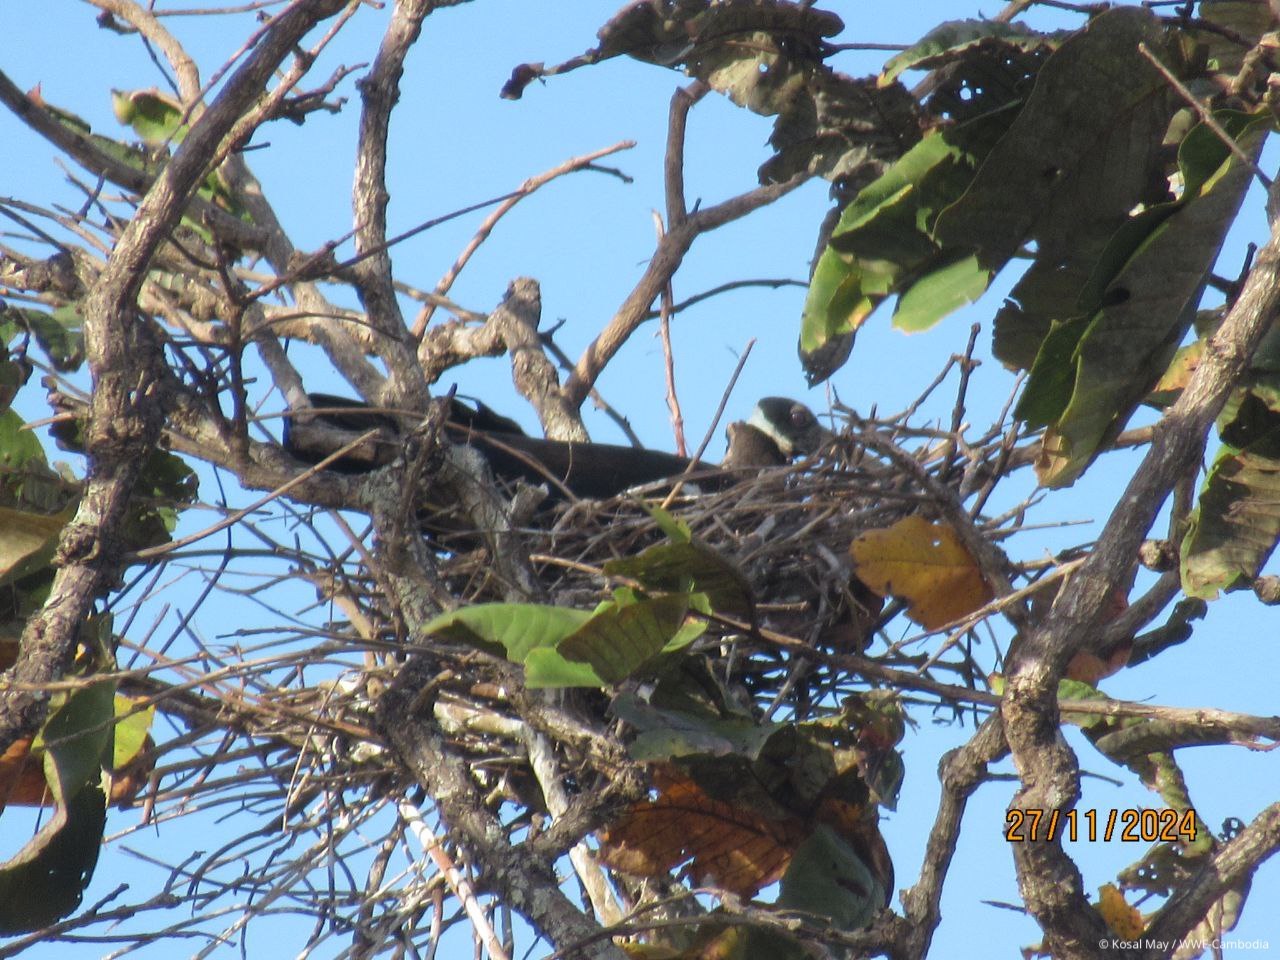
{"x":530,"y":186}
{"x":715,"y":419}
{"x":231,"y":519}
{"x":1205,"y":115}
{"x":668,"y":354}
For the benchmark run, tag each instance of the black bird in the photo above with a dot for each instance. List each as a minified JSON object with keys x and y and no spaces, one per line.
{"x":778,"y":430}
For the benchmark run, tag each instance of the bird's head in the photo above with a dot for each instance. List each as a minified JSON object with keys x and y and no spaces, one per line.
{"x":790,"y":425}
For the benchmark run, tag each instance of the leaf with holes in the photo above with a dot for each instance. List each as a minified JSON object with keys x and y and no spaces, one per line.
{"x":1093,"y":371}
{"x":1236,"y":522}
{"x":945,"y":42}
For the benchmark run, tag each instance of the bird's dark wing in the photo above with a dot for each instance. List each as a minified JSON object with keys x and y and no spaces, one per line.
{"x":476,"y":415}
{"x":334,"y":422}
{"x":585,"y":470}
{"x":593,"y":471}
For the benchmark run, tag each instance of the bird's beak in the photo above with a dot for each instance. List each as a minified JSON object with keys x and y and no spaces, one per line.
{"x":821,"y":438}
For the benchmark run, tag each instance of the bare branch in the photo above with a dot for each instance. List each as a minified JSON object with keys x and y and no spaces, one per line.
{"x":663,"y":264}
{"x":125,"y":410}
{"x":530,"y":186}
{"x":525,"y":882}
{"x":380,"y":90}
{"x":1050,"y":882}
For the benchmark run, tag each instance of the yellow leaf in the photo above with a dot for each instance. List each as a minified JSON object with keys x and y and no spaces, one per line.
{"x":1054,"y":466}
{"x":925,"y":564}
{"x":1122,"y":918}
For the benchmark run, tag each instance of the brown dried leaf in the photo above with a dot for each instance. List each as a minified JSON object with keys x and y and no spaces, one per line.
{"x":729,"y":846}
{"x":22,"y":777}
{"x":924,"y":563}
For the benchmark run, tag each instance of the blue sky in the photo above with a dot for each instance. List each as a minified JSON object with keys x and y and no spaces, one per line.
{"x":586,"y":239}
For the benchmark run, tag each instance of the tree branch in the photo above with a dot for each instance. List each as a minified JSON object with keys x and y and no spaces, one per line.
{"x":1050,"y":882}
{"x":380,"y":91}
{"x":125,"y":410}
{"x":524,"y":882}
{"x":960,"y":773}
{"x":1229,"y":867}
{"x":663,"y":264}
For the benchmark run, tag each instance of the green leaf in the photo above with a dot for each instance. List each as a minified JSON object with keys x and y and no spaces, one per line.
{"x":939,"y":292}
{"x":1079,"y":173}
{"x":827,"y":877}
{"x":35,"y":504}
{"x":58,"y":333}
{"x":77,"y":735}
{"x":1149,"y":304}
{"x":1237,"y":520}
{"x":884,"y":776}
{"x":1048,"y":389}
{"x":688,"y":686}
{"x":675,"y":529}
{"x":686,"y":567}
{"x":46,"y":879}
{"x":881,"y":244}
{"x":151,"y":117}
{"x":165,"y":486}
{"x":562,"y":647}
{"x":1265,"y":361}
{"x":513,"y":629}
{"x":1094,"y":105}
{"x":140,"y":160}
{"x":835,"y":305}
{"x":617,"y":640}
{"x":692,"y":629}
{"x":525,"y":633}
{"x":18,"y":447}
{"x":132,"y":727}
{"x":666,"y":734}
{"x":1175,"y":377}
{"x":788,"y":769}
{"x":947,"y":40}
{"x":13,"y":376}
{"x":545,"y":668}
{"x":28,"y":541}
{"x":983,"y":187}
{"x":61,"y":335}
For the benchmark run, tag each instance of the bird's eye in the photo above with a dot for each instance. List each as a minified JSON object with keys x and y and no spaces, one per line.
{"x":800,"y":417}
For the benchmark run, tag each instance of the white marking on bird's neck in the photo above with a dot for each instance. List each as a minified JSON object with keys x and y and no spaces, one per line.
{"x":770,"y":430}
